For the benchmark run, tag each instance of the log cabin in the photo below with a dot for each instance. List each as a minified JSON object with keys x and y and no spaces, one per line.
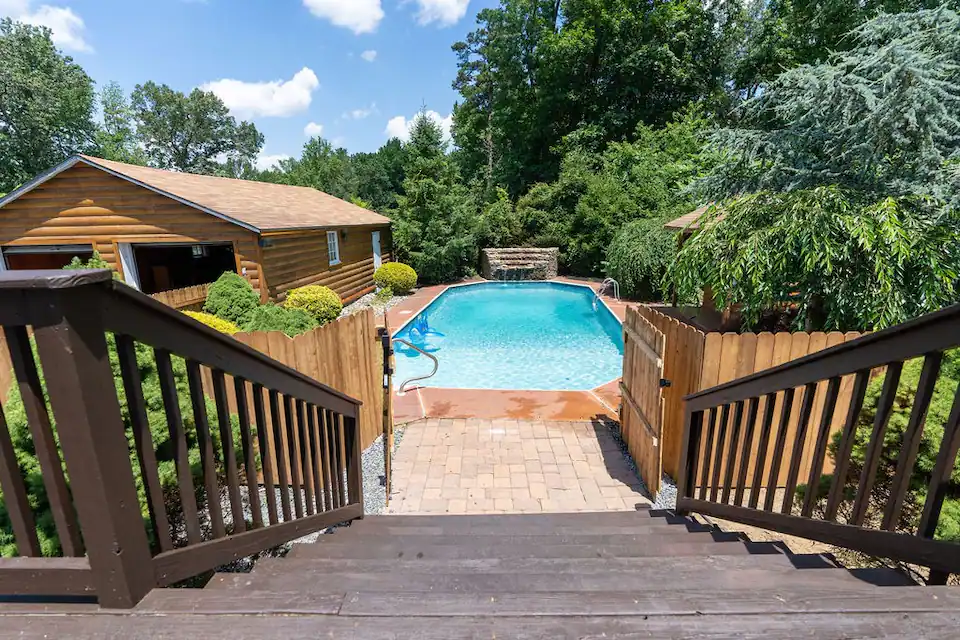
{"x":165,"y":230}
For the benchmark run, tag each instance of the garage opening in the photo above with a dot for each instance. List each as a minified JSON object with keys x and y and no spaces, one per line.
{"x":176,"y":266}
{"x":44,"y":256}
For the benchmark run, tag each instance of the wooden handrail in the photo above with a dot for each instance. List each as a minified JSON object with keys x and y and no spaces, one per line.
{"x":783,"y":423}
{"x":308,"y":441}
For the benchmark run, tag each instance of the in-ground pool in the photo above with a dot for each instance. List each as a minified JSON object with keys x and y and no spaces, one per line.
{"x":517,"y":335}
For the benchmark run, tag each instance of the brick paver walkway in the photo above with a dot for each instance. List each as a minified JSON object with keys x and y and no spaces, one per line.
{"x":511,"y":466}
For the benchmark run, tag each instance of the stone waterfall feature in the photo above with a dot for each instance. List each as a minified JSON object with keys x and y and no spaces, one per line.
{"x":522,"y":263}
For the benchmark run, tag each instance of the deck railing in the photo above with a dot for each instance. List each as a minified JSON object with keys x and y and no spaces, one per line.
{"x":98,"y":457}
{"x":722,"y":424}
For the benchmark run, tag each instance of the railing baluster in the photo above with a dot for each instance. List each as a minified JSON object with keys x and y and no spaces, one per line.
{"x":912,"y":436}
{"x":229,"y":452}
{"x":205,"y":442}
{"x":942,"y":472}
{"x":354,"y":453}
{"x":842,"y":468}
{"x":281,"y":455}
{"x":143,"y":439}
{"x":732,"y":452}
{"x":820,"y":449}
{"x":178,"y":438}
{"x":266,"y":454}
{"x":15,"y":496}
{"x":799,"y":444}
{"x":249,"y":454}
{"x":718,"y":456}
{"x":746,"y":449}
{"x":342,"y":456}
{"x":45,"y":445}
{"x":773,"y":481}
{"x":705,"y":456}
{"x":328,"y":459}
{"x":293,"y":453}
{"x":872,"y":460}
{"x":315,"y":456}
{"x":762,"y":444}
{"x":306,"y":458}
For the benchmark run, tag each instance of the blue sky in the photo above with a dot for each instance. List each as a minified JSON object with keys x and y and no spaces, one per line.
{"x":354,"y":69}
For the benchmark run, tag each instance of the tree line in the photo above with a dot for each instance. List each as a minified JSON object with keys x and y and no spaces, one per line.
{"x":825,"y":134}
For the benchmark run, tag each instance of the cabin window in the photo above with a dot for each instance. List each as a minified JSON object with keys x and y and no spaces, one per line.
{"x":333,"y":247}
{"x":44,"y":256}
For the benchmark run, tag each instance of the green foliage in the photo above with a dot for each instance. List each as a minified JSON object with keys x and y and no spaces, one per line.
{"x":212,"y":321}
{"x":22,"y":439}
{"x":433,"y":224}
{"x":46,"y":104}
{"x":95,"y":262}
{"x":498,"y":224}
{"x":384,"y":295}
{"x":399,"y":278}
{"x":320,"y":166}
{"x":937,"y":416}
{"x":116,"y":137}
{"x":853,"y":173}
{"x":638,"y":258}
{"x":232,"y":298}
{"x":322,"y":303}
{"x":270,"y":317}
{"x":194,"y":133}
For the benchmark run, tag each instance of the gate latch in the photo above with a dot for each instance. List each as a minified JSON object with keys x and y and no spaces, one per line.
{"x":664,"y":383}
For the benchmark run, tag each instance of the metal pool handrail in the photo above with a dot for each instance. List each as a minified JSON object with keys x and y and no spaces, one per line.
{"x":436,"y":365}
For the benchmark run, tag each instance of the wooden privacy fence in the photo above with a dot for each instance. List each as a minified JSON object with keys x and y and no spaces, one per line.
{"x":190,"y":298}
{"x":641,"y":421}
{"x":694,"y":361}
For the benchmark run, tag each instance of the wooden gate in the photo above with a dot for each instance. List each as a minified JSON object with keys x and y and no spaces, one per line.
{"x":641,"y":413}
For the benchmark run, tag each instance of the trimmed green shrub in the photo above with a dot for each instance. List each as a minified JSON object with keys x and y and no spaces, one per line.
{"x":95,"y":262}
{"x":232,"y":298}
{"x":322,"y":303}
{"x":156,"y":418}
{"x":212,"y":321}
{"x":384,"y":295}
{"x":270,"y":317}
{"x":400,"y":278}
{"x":638,"y":257}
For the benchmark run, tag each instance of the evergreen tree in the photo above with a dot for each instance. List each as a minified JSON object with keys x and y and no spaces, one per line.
{"x":433,"y":224}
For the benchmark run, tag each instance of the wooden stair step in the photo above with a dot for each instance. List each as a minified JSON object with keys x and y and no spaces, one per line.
{"x":598,"y":526}
{"x":641,"y":535}
{"x":281,"y":576}
{"x":545,"y":520}
{"x":296,"y":627}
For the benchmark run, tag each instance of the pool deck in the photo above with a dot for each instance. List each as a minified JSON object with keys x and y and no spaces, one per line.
{"x":600,"y":403}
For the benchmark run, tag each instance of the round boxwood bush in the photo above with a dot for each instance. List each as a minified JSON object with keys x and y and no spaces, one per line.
{"x":322,"y":303}
{"x":212,"y":321}
{"x":232,"y":298}
{"x":400,"y":278}
{"x":270,"y":317}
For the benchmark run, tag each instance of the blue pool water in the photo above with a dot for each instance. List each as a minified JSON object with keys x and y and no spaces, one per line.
{"x":531,"y":336}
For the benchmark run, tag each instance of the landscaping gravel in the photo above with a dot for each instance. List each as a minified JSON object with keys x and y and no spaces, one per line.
{"x":370,"y":301}
{"x":667,"y":497}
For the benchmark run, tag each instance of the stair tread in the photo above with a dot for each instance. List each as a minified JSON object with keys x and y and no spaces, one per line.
{"x":282,"y":576}
{"x":292,"y":627}
{"x":641,"y":536}
{"x":692,"y":601}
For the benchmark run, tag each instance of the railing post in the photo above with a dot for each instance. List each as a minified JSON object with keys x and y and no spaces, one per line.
{"x":354,"y":455}
{"x":691,"y":430}
{"x":83,"y":396}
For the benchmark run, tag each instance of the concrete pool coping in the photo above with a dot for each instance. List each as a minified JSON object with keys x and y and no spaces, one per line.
{"x":432,"y":402}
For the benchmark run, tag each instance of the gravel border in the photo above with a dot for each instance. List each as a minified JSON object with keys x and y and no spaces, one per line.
{"x":667,"y":496}
{"x":370,"y":301}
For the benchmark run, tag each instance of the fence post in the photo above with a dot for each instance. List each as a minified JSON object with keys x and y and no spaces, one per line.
{"x":354,"y":453}
{"x":83,"y":396}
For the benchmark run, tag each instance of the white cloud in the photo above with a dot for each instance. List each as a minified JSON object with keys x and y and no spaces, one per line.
{"x":313,"y":130}
{"x":266,"y":161}
{"x":360,"y":114}
{"x":399,"y":127}
{"x":66,"y":26}
{"x":360,"y":16}
{"x":278,"y":98}
{"x":444,"y":12}
{"x":369,"y":55}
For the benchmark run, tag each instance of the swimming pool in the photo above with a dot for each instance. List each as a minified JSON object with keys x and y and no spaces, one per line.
{"x":516,"y":335}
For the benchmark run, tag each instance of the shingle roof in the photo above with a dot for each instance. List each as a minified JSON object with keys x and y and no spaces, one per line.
{"x":259,"y":205}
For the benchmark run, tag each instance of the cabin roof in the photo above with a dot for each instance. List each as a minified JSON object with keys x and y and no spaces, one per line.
{"x":258,"y":206}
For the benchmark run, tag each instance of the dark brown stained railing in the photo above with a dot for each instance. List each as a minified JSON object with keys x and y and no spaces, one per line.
{"x":299,"y":434}
{"x":849,"y":513}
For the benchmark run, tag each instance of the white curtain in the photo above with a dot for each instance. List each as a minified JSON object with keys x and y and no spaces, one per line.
{"x":129,"y":265}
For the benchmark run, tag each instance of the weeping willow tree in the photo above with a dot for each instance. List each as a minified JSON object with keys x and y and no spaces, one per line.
{"x":840,"y":188}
